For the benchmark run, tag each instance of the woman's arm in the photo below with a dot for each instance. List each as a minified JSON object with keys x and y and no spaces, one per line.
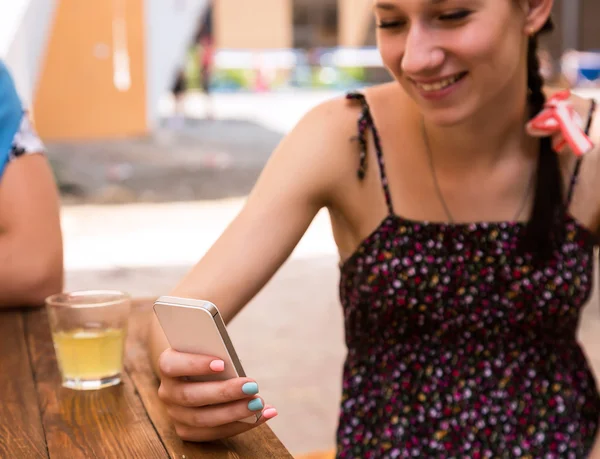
{"x":31,"y":254}
{"x":296,"y":182}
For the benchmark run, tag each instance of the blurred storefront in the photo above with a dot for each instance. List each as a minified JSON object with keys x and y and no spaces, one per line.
{"x":349,"y":23}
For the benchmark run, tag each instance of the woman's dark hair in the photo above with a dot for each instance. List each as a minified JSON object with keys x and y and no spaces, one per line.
{"x":542,"y":229}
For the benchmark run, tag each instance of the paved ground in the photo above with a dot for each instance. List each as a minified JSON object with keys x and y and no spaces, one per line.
{"x":196,"y":159}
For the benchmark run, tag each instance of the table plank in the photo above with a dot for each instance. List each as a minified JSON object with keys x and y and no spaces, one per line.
{"x":259,"y":443}
{"x":111,"y":422}
{"x":21,"y":431}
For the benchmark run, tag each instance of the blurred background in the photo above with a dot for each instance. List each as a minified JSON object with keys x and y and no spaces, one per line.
{"x":159,"y":115}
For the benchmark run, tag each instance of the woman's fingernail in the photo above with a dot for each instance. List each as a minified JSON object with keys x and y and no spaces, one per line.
{"x":217,"y":365}
{"x":269,"y":413}
{"x":250,"y":388}
{"x":255,"y":405}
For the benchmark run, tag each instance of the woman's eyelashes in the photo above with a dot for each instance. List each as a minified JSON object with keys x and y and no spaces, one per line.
{"x":453,"y":17}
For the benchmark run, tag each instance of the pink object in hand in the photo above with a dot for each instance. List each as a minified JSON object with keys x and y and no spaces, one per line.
{"x":560,"y":120}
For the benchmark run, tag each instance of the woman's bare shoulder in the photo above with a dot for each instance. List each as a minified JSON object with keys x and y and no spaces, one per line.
{"x":326,"y":135}
{"x":334,"y":117}
{"x":327,"y":131}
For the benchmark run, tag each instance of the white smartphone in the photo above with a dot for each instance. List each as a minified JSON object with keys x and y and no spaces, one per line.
{"x":196,"y":327}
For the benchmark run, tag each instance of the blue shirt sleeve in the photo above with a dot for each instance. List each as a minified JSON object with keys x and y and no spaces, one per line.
{"x":11,"y":114}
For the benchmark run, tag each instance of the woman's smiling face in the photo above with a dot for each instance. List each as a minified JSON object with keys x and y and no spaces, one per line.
{"x":454,"y":57}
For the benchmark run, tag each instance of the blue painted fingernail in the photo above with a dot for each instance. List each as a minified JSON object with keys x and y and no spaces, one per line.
{"x":250,"y":388}
{"x":255,"y":405}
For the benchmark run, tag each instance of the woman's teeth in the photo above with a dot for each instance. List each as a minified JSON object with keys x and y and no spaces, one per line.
{"x":440,"y":84}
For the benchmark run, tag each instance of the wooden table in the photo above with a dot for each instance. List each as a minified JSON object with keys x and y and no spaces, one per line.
{"x":41,"y":419}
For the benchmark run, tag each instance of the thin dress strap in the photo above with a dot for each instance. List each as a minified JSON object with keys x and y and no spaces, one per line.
{"x":579,"y":160}
{"x":365,"y":123}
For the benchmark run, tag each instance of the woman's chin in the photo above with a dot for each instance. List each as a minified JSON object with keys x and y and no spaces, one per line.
{"x":447,"y":118}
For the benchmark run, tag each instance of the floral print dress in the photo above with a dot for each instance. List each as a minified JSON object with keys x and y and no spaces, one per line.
{"x":460,"y":345}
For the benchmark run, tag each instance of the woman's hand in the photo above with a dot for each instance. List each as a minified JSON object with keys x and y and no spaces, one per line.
{"x":207,"y":411}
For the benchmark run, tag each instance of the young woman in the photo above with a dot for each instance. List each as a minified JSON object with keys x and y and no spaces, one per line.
{"x":466,"y":247}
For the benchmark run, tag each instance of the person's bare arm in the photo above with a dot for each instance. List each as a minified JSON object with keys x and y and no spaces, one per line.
{"x":295,"y":184}
{"x":31,"y":253}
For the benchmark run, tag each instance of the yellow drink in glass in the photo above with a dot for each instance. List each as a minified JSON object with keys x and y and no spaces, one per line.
{"x":89,"y":354}
{"x":88,"y":331}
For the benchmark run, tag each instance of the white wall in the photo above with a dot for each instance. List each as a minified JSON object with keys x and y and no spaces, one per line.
{"x":24,"y":29}
{"x":170,"y":27}
{"x":11,"y":14}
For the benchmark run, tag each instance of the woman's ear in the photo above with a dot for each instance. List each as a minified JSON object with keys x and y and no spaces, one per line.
{"x":537,"y":13}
